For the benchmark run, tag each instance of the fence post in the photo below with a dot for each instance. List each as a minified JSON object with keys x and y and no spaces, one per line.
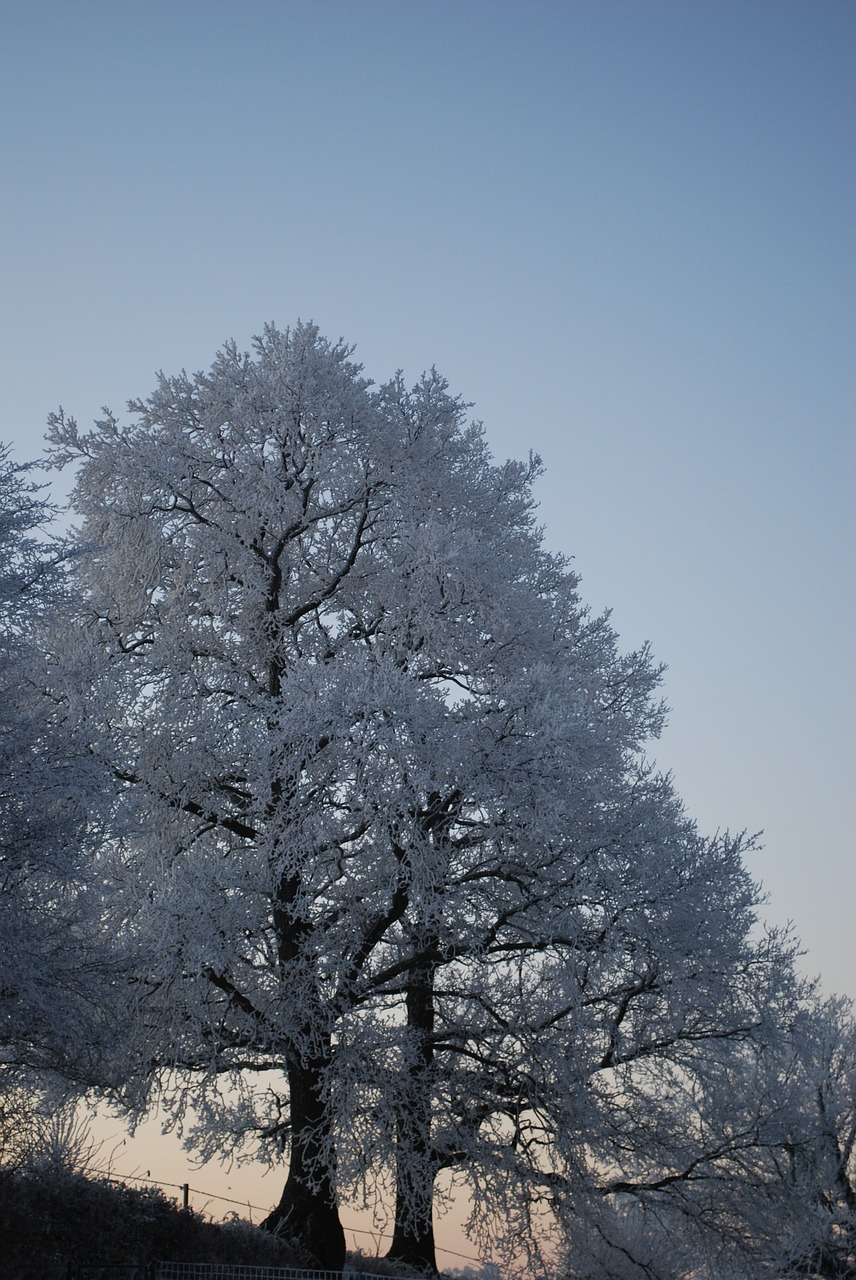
{"x":185,"y":1195}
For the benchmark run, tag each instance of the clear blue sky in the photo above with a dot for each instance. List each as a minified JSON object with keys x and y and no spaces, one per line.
{"x":623,"y":228}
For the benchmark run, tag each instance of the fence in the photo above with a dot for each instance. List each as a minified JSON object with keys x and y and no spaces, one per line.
{"x":206,"y":1197}
{"x":210,"y":1271}
{"x":240,"y":1271}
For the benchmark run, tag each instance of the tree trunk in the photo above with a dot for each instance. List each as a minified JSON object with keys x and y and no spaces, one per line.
{"x":413,"y":1237}
{"x":416,"y":1164}
{"x":307,"y":1212}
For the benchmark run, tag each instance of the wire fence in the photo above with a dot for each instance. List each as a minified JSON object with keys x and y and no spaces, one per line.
{"x":210,"y":1271}
{"x":186,"y":1191}
{"x":216,"y":1271}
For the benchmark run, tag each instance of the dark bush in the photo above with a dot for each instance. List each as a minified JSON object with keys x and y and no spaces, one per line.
{"x":50,"y":1221}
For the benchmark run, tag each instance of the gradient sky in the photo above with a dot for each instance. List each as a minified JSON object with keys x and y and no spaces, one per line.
{"x":622,"y":228}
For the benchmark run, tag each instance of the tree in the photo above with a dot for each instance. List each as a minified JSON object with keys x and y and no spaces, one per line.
{"x":306,"y":608}
{"x":772,"y":1196}
{"x":270,"y":633}
{"x":54,"y":976}
{"x":595,"y":1053}
{"x":391,"y":865}
{"x":811,"y":1174}
{"x":545,"y":719}
{"x":582,"y":944}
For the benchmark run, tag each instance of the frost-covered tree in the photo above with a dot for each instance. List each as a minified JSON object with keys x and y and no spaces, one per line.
{"x":315,"y":620}
{"x":277,"y":604}
{"x":772,"y":1199}
{"x":597,"y":1042}
{"x":811,"y":1175}
{"x":400,"y":890}
{"x":53,"y":973}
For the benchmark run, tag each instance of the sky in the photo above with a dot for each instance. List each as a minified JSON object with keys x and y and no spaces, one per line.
{"x":622,"y":229}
